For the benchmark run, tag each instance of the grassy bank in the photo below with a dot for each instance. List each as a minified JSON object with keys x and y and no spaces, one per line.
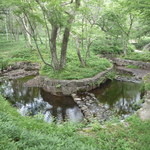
{"x":145,"y":56}
{"x":24,"y":133}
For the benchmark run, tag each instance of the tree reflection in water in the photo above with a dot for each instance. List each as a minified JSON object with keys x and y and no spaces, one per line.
{"x":33,"y":101}
{"x":116,"y":95}
{"x":119,"y":96}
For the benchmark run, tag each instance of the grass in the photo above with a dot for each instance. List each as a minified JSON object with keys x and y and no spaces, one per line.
{"x":147,"y":82}
{"x":12,"y":51}
{"x":132,"y":66}
{"x":74,"y":70}
{"x":145,"y":56}
{"x":24,"y":133}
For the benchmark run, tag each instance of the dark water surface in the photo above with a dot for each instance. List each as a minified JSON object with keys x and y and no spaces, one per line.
{"x":116,"y":95}
{"x":33,"y":101}
{"x":122,"y":97}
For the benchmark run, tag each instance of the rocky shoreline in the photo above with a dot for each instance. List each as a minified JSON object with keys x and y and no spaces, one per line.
{"x":88,"y":103}
{"x":20,"y":70}
{"x":68,"y":87}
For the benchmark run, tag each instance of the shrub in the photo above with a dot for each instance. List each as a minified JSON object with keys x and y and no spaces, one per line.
{"x":142,"y":42}
{"x":106,"y":46}
{"x":132,"y":66}
{"x":138,"y":56}
{"x":3,"y":63}
{"x":147,"y":82}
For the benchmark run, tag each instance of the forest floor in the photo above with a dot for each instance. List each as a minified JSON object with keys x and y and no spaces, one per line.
{"x":12,"y":52}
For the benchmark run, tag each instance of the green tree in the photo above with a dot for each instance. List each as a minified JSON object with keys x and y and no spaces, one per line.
{"x":117,"y":22}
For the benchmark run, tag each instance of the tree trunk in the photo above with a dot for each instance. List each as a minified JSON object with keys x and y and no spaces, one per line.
{"x":64,"y":46}
{"x":125,"y":45}
{"x":6,"y":28}
{"x":52,"y":41}
{"x":79,"y":54}
{"x":27,"y":31}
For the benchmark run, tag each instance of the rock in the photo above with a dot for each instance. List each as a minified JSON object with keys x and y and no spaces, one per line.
{"x":77,"y":99}
{"x":144,"y":112}
{"x":20,"y":70}
{"x":124,"y":62}
{"x":68,"y":87}
{"x":90,"y":107}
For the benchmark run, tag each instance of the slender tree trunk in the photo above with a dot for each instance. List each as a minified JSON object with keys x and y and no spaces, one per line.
{"x":52,"y":41}
{"x":6,"y":29}
{"x":125,"y":45}
{"x":88,"y":48}
{"x":27,"y":30}
{"x":79,"y":53}
{"x":64,"y":46}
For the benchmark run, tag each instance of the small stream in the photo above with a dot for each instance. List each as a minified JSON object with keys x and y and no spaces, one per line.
{"x":118,"y":96}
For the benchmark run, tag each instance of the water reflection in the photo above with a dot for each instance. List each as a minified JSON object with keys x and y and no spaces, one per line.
{"x":119,"y":96}
{"x":116,"y":95}
{"x":35,"y":101}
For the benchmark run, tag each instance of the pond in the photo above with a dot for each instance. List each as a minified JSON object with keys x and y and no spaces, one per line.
{"x":122,"y":97}
{"x":116,"y":95}
{"x":35,"y":101}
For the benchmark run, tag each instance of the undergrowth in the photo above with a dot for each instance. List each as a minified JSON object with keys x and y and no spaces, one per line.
{"x":147,"y":82}
{"x":25,"y":133}
{"x":145,"y":56}
{"x":74,"y":70}
{"x":13,"y":51}
{"x":132,"y":66}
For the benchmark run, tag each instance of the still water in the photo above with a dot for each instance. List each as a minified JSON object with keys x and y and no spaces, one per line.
{"x":35,"y":101}
{"x":122,"y":97}
{"x":118,"y":96}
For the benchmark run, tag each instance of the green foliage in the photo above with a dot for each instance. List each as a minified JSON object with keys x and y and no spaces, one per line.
{"x":138,"y":56}
{"x":19,"y":132}
{"x":147,"y":82}
{"x":74,"y":70}
{"x":142,"y":42}
{"x":130,"y":48}
{"x":105,"y":46}
{"x":3,"y":63}
{"x":111,"y":75}
{"x":132,"y":66}
{"x":110,"y":46}
{"x":12,"y":51}
{"x":23,"y":55}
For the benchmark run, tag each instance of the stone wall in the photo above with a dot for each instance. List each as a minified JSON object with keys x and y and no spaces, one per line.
{"x":67,"y":87}
{"x":20,"y":70}
{"x":124,"y":62}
